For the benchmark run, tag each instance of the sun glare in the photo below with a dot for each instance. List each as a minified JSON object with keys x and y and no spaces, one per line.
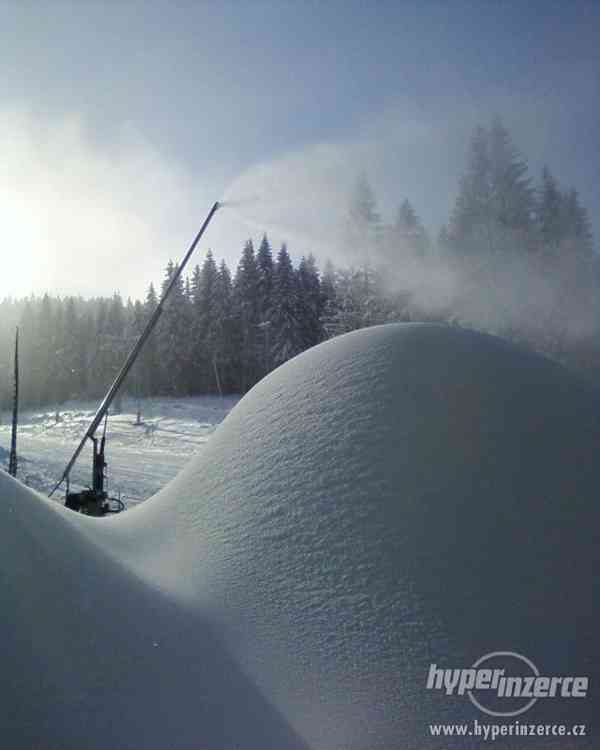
{"x":22,"y":242}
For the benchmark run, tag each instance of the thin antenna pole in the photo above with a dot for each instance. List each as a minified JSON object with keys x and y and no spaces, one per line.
{"x":112,"y":392}
{"x":12,"y":463}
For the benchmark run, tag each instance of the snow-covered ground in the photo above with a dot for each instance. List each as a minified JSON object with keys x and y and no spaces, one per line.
{"x":141,"y":458}
{"x":396,"y":498}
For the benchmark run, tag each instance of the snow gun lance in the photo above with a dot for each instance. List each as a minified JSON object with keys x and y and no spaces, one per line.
{"x":95,"y":501}
{"x":12,"y":461}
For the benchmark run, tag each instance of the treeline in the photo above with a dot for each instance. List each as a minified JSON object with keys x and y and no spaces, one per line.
{"x":217,"y":334}
{"x":515,"y":258}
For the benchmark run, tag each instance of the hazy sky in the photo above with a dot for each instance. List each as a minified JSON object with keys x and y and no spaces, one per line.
{"x":121,"y":123}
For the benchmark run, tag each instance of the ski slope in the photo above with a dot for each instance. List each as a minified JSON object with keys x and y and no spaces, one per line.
{"x":396,"y":497}
{"x":142,"y":458}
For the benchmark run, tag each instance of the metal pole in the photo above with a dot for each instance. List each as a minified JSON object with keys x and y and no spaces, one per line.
{"x":112,"y":391}
{"x":12,"y":462}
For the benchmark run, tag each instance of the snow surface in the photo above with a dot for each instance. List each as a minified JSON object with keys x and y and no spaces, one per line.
{"x":398,"y":496}
{"x":142,"y":458}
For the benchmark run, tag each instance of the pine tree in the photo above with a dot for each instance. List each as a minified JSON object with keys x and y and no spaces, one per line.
{"x":151,"y":375}
{"x":28,"y":335}
{"x":329,"y":302}
{"x":116,"y":344}
{"x":225,"y":338}
{"x":495,"y":205}
{"x":101,"y":363}
{"x":562,"y":222}
{"x":173,"y":337}
{"x":349,"y":310}
{"x":512,"y":194}
{"x":195,"y":285}
{"x":310,"y":302}
{"x":409,"y":232}
{"x":246,"y":302}
{"x":58,"y":373}
{"x":85,"y":351}
{"x":264,"y":263}
{"x":136,"y":320}
{"x":363,"y":205}
{"x":285,"y":338}
{"x":576,"y":224}
{"x":549,"y":213}
{"x":205,"y":322}
{"x":362,"y":236}
{"x":45,"y":353}
{"x":198,"y":355}
{"x":70,"y":358}
{"x":359,"y":301}
{"x":471,"y":217}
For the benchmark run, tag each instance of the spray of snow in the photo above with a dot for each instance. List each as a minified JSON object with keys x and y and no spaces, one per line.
{"x":304,"y":197}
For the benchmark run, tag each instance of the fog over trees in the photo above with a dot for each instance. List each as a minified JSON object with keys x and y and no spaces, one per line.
{"x":515,"y":258}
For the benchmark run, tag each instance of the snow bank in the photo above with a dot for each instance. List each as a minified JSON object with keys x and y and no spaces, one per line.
{"x":395,"y":497}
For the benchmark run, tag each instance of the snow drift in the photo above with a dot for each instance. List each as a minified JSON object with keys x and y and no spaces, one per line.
{"x":398,"y":496}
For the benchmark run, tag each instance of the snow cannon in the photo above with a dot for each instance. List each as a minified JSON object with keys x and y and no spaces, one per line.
{"x":95,"y":501}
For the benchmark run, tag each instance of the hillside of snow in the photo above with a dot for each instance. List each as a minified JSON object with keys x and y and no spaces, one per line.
{"x":399,"y":496}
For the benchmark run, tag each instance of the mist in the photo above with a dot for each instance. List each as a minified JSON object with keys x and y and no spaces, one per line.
{"x":81,"y":216}
{"x":304,"y":198}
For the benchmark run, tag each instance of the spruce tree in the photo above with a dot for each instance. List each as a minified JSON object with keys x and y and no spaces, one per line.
{"x":512,"y":195}
{"x":329,"y":302}
{"x":70,"y":359}
{"x":409,"y":232}
{"x":264,"y":262}
{"x":151,"y":376}
{"x":285,"y":339}
{"x":549,"y":213}
{"x":224,"y":355}
{"x":576,"y":224}
{"x":28,"y":335}
{"x":362,"y":235}
{"x":114,"y":345}
{"x":85,"y":352}
{"x":205,"y":318}
{"x":173,"y":337}
{"x":310,"y":302}
{"x":495,"y":204}
{"x":136,"y":320}
{"x":470,"y":223}
{"x":246,"y":303}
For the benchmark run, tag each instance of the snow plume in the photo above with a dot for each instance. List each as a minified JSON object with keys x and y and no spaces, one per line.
{"x":299,"y":198}
{"x":304,"y":198}
{"x":510,"y":294}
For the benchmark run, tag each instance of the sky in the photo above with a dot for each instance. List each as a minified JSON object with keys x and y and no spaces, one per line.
{"x":122,"y":122}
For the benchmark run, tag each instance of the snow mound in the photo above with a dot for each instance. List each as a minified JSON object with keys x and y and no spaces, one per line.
{"x":399,"y":496}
